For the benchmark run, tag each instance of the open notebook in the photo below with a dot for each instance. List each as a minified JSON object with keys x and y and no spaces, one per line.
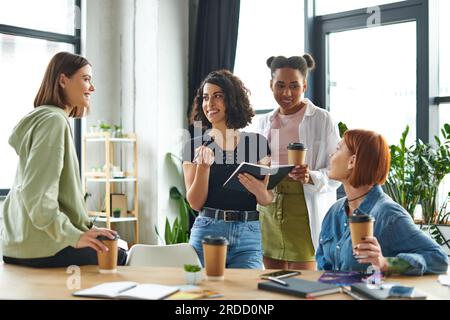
{"x":128,"y":290}
{"x":275,"y":173}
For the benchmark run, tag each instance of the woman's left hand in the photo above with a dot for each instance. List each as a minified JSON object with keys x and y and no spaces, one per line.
{"x":369,"y":251}
{"x":301,"y":173}
{"x":256,"y":187}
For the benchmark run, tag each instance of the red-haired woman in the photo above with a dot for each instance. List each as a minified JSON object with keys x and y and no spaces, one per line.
{"x":361,"y":162}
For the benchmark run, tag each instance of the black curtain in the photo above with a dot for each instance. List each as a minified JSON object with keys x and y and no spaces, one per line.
{"x":215,"y":40}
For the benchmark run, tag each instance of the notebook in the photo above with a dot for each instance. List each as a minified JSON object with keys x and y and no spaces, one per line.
{"x":301,"y":288}
{"x":276,"y":173}
{"x":128,"y":290}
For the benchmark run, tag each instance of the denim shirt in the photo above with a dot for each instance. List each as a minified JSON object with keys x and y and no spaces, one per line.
{"x":394,"y":229}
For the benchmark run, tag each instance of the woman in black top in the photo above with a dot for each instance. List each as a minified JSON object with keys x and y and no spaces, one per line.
{"x":222,"y":107}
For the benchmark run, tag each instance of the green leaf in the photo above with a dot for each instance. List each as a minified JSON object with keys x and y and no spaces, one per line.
{"x":176,"y":231}
{"x":175,"y":193}
{"x":184,"y":215}
{"x":168,"y":233}
{"x":192,"y":268}
{"x":342,"y":128}
{"x":157,"y":233}
{"x":447,"y":128}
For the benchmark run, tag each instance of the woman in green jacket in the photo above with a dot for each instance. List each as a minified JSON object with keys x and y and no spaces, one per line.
{"x":45,"y":217}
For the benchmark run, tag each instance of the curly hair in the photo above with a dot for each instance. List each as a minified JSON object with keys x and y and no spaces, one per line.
{"x":304,"y":64}
{"x":239,"y":112}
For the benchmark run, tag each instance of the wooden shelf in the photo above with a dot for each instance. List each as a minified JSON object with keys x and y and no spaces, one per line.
{"x":111,"y":140}
{"x":103,"y":136}
{"x":129,"y":179}
{"x":110,"y":182}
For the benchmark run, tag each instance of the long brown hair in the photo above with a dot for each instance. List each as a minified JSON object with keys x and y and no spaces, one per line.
{"x":50,"y":92}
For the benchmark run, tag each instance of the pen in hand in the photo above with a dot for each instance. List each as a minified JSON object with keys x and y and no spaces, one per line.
{"x":198,"y":153}
{"x":278,"y":281}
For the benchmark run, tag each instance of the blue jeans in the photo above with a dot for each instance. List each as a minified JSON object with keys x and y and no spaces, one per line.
{"x":244,"y":241}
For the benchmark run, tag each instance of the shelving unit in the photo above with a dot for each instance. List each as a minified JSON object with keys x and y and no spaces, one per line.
{"x":105,"y":177}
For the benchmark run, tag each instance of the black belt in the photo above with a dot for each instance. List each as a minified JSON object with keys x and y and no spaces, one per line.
{"x":230,"y":215}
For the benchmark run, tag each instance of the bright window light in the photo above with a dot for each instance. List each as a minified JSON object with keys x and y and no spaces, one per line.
{"x":266,"y":28}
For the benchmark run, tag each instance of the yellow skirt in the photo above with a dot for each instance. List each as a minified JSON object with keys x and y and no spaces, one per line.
{"x":285,"y":227}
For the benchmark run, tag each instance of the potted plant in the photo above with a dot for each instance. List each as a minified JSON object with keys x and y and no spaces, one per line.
{"x":178,"y":232}
{"x":117,"y":133}
{"x":416,"y":173}
{"x":116,"y":212}
{"x":193,"y":274}
{"x":93,"y":128}
{"x":402,"y":183}
{"x":105,"y":127}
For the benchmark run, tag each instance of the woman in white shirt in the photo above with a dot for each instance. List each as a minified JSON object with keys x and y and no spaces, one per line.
{"x":291,"y":224}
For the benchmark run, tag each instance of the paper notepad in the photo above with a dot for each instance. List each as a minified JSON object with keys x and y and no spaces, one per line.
{"x":128,"y":290}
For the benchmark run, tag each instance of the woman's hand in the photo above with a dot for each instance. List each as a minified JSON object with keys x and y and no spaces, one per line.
{"x":89,"y":239}
{"x":203,"y":156}
{"x":369,"y":251}
{"x":301,"y":173}
{"x":257,"y":187}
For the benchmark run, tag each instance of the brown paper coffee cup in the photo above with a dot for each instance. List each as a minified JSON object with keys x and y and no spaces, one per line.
{"x":361,"y":226}
{"x":215,"y":256}
{"x":107,"y":260}
{"x":296,"y":153}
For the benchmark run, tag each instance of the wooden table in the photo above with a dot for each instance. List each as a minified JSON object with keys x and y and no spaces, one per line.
{"x":239,"y":284}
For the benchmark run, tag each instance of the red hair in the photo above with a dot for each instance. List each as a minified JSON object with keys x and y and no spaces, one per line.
{"x":373,"y":157}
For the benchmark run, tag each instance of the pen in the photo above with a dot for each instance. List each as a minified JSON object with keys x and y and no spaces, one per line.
{"x":278,"y":281}
{"x":203,"y":145}
{"x":351,"y":294}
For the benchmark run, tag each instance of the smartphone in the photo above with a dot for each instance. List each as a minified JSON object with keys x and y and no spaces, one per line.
{"x":280,"y":274}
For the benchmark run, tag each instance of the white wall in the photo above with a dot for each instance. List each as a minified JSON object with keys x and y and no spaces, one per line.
{"x":173,"y":48}
{"x":139,"y":53}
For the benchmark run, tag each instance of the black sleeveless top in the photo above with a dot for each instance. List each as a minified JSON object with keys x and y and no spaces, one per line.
{"x":252,"y":147}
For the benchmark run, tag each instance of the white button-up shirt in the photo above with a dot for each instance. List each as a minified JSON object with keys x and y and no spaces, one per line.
{"x":320,"y":135}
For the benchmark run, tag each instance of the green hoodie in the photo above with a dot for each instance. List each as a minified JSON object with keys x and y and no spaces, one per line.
{"x":45,"y":210}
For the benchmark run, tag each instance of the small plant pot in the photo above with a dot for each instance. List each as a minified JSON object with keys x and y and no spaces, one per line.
{"x":116,"y":214}
{"x":193,"y":277}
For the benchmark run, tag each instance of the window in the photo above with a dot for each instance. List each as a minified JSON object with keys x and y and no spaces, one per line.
{"x":47,"y":15}
{"x":444,"y":49}
{"x":24,"y":55}
{"x":266,"y":28}
{"x":444,"y":80}
{"x":333,"y":6}
{"x":371,"y":87}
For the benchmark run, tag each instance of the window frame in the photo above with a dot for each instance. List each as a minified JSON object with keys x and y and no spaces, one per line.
{"x":420,"y":11}
{"x":75,"y":40}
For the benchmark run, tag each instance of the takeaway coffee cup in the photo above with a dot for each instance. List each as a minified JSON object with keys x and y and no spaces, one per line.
{"x":360,"y":226}
{"x":107,"y":260}
{"x":296,"y":153}
{"x":215,"y":255}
